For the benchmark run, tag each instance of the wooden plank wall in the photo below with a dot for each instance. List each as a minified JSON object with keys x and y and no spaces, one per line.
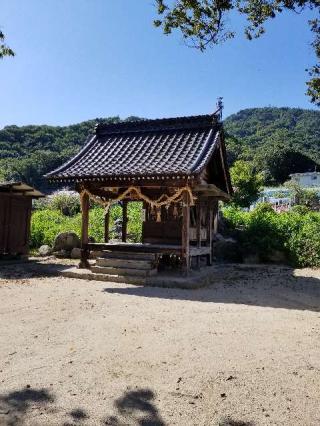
{"x":15,"y":216}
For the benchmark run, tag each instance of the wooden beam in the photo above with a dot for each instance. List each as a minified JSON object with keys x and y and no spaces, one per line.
{"x":185,"y":233}
{"x":209,"y":189}
{"x":106,"y":226}
{"x":199,"y":251}
{"x":124,"y":220}
{"x":143,"y":182}
{"x":84,"y":231}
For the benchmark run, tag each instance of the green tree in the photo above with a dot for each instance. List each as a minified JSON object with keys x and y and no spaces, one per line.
{"x":203,"y":23}
{"x":278,"y":160}
{"x":246,"y":183}
{"x":4,"y":49}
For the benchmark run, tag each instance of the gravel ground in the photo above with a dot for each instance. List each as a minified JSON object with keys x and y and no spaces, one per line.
{"x":242,"y":352}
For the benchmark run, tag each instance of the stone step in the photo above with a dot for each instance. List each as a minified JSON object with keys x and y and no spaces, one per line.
{"x":124,"y":263}
{"x":123,"y":272}
{"x":127,"y":255}
{"x":124,"y":279}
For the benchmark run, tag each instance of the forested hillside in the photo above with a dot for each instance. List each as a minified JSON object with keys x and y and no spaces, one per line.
{"x":277,"y":140}
{"x":28,"y":152}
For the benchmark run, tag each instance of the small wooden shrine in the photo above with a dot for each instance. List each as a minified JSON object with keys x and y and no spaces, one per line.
{"x":176,"y":167}
{"x":15,"y":214}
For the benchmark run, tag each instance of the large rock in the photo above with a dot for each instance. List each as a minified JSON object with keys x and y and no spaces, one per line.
{"x":75,"y":253}
{"x":66,"y":241}
{"x":45,"y":250}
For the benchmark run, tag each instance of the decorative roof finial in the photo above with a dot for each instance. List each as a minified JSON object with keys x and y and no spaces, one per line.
{"x":97,"y":127}
{"x":219,"y":107}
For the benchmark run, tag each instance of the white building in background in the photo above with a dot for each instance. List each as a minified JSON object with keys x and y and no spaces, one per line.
{"x":281,"y":197}
{"x":307,"y":179}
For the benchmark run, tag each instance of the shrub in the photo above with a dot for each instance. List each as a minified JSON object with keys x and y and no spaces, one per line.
{"x":305,"y":244}
{"x":67,"y":202}
{"x":235,"y":217}
{"x":47,"y":224}
{"x":300,"y":209}
{"x":297,"y":233}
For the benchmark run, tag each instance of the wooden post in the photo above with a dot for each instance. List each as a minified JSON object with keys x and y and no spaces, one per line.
{"x":106,"y":226}
{"x":124,"y":221}
{"x":210,"y":206}
{"x":84,"y":232}
{"x":215,"y":216}
{"x":198,"y":228}
{"x":186,"y":233}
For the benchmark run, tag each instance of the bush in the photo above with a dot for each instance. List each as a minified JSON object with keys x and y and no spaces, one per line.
{"x":304,"y":245}
{"x":300,"y":209}
{"x":47,"y":224}
{"x":297,"y":233}
{"x":67,"y":202}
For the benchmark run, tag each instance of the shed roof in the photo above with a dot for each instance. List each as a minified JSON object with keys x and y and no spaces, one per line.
{"x":20,"y":188}
{"x":163,"y":147}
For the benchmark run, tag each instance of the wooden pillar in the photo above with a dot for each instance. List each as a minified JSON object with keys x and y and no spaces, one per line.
{"x":198,"y":225}
{"x":215,"y":216}
{"x":124,"y":221}
{"x":198,"y":228}
{"x":84,"y":231}
{"x":106,"y":226}
{"x":210,"y":215}
{"x":186,"y":233}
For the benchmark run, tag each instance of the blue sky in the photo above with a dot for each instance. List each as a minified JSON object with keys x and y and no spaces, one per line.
{"x":82,"y":59}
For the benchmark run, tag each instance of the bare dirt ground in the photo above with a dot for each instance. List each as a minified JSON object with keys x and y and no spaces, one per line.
{"x":243,"y":352}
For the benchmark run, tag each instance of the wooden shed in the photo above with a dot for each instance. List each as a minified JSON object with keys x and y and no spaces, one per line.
{"x":176,"y":167}
{"x":15,"y":214}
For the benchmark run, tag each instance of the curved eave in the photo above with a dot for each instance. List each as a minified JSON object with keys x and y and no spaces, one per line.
{"x":53,"y":175}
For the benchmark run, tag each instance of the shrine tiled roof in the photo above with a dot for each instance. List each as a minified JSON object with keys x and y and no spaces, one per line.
{"x":146,"y":148}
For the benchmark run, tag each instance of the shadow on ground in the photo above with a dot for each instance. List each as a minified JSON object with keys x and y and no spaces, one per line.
{"x":135,"y":407}
{"x":267,"y":286}
{"x":231,"y":422}
{"x":16,"y":406}
{"x":29,"y":269}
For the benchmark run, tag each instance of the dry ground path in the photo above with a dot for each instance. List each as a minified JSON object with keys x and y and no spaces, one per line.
{"x":245,"y":351}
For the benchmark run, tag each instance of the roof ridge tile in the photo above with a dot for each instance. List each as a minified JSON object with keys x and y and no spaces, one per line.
{"x":158,"y":124}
